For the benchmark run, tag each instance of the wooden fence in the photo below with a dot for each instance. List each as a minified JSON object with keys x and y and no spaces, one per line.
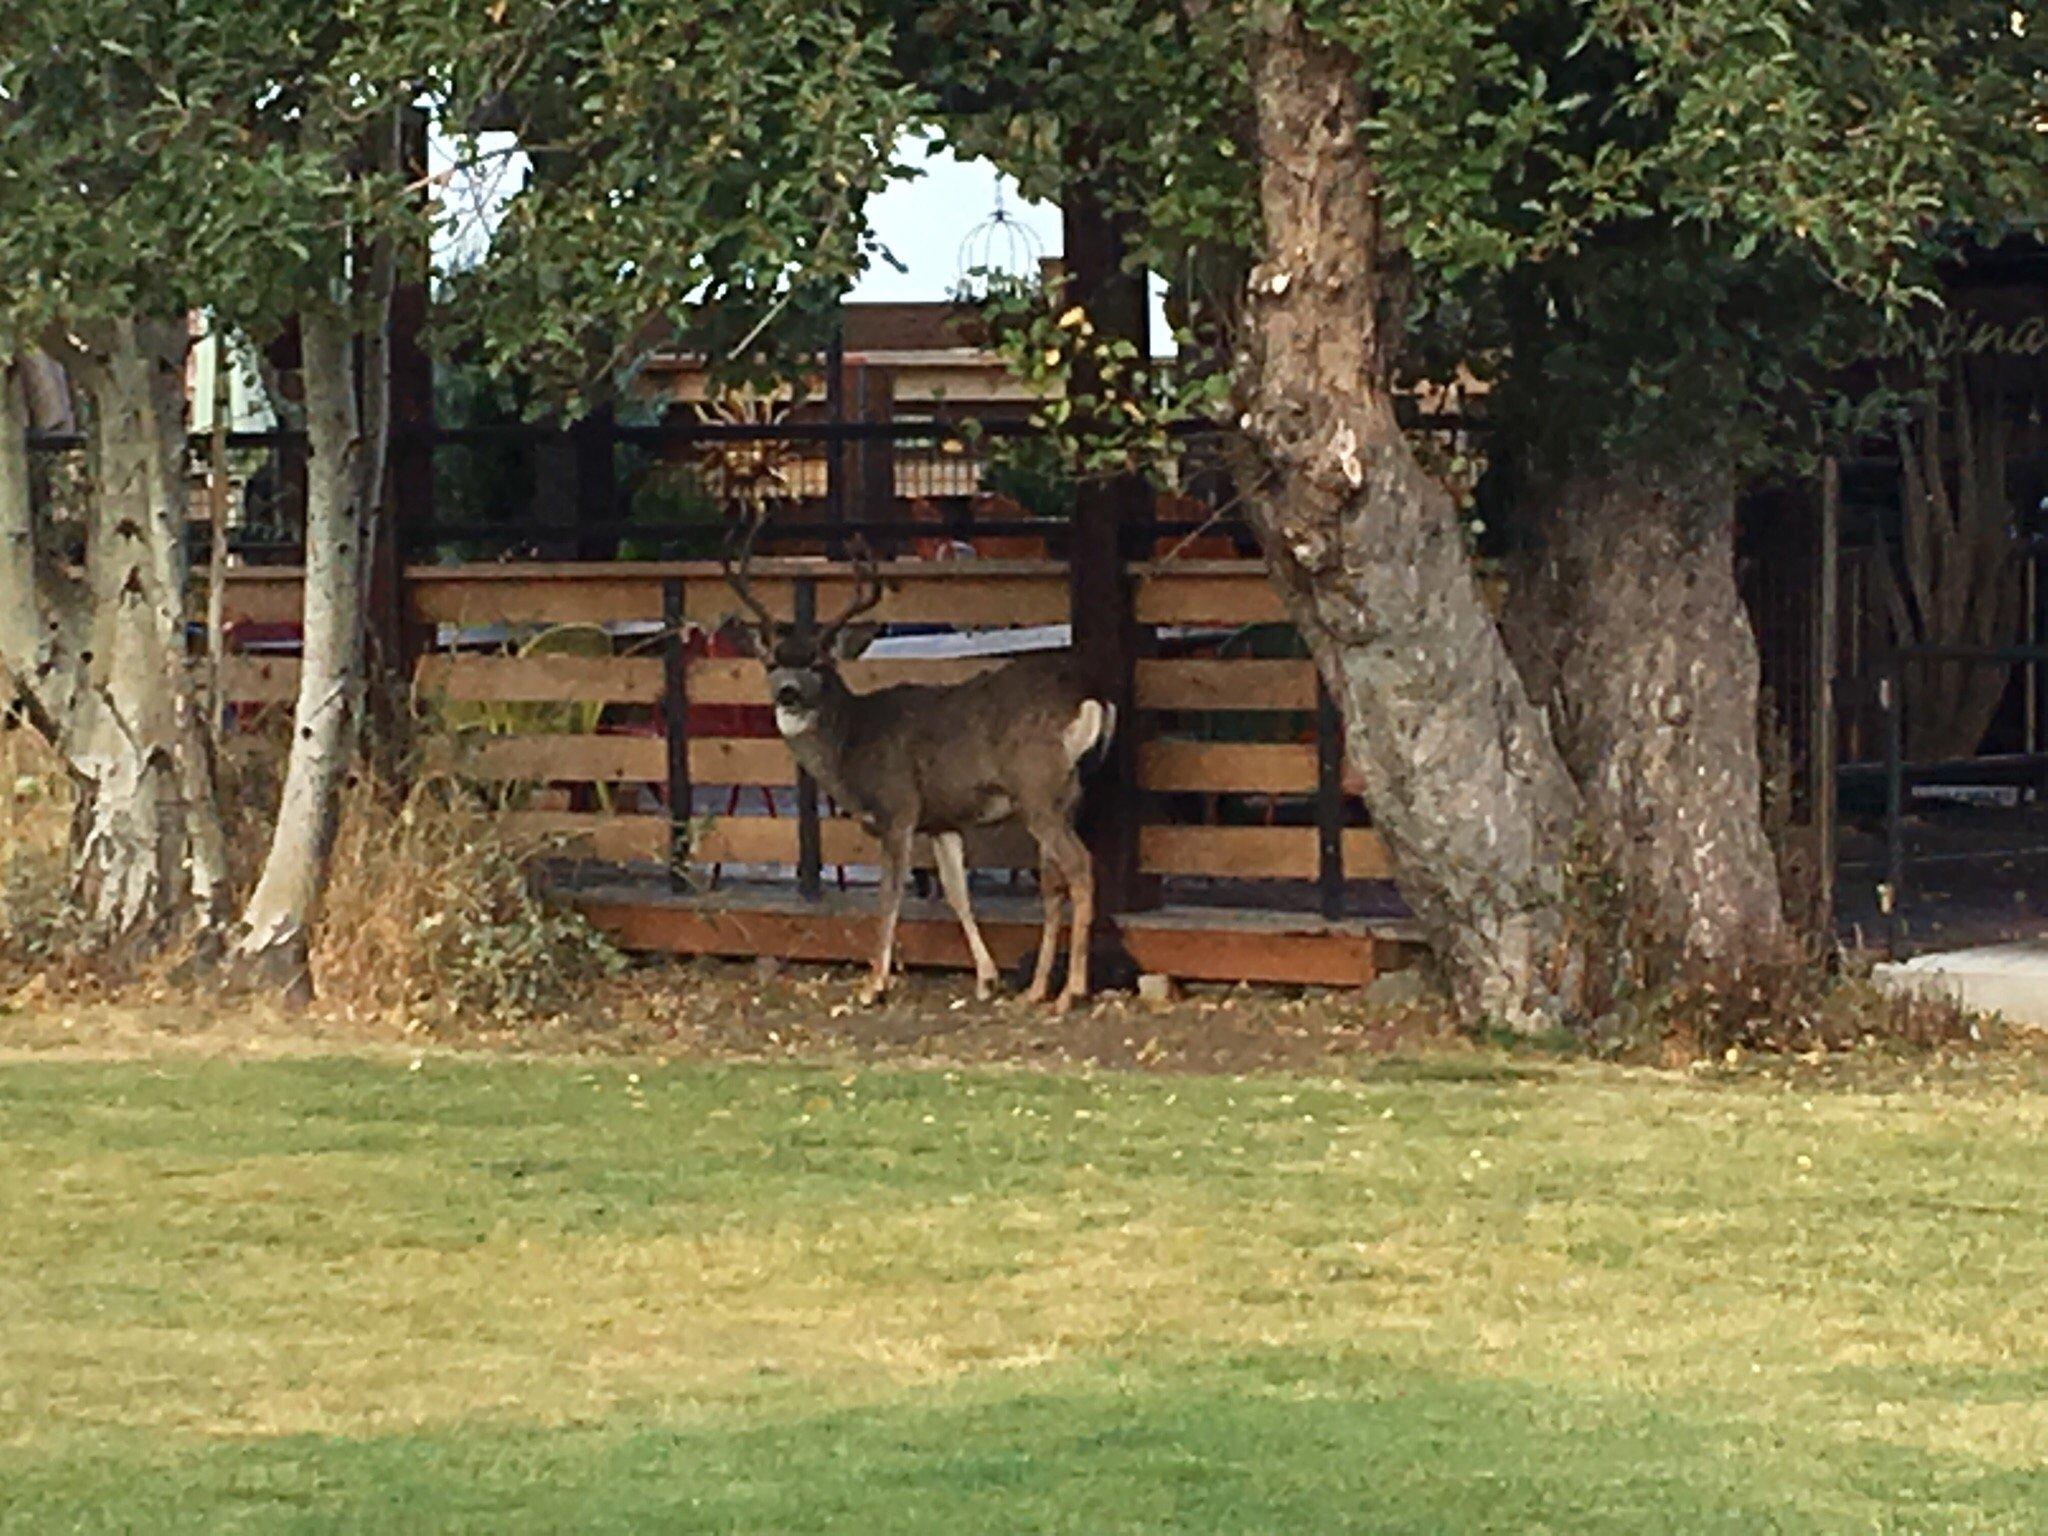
{"x":585,"y":693}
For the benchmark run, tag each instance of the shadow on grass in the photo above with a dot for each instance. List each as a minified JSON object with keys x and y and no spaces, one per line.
{"x":1275,"y":1442}
{"x":1480,"y":1070}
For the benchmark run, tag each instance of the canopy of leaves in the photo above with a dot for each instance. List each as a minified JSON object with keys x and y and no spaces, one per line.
{"x":700,"y":167}
{"x":1697,"y":200}
{"x":158,"y":156}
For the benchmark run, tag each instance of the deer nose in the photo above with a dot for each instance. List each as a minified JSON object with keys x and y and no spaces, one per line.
{"x":788,"y":696}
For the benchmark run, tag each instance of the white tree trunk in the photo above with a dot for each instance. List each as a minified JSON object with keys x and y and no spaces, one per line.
{"x":20,"y":638}
{"x":272,"y":944}
{"x":148,"y":856}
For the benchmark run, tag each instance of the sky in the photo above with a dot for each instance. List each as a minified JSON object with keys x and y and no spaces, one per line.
{"x":937,"y":225}
{"x":943,"y":223}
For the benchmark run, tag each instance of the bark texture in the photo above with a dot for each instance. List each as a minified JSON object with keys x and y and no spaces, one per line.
{"x":1635,"y":632}
{"x":20,"y":639}
{"x":1457,"y":763}
{"x":342,"y":468}
{"x":148,"y":859}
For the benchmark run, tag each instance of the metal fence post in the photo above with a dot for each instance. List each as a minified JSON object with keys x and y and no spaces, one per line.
{"x":1891,"y":895}
{"x":1329,"y":803}
{"x":675,"y":696}
{"x":809,"y":855}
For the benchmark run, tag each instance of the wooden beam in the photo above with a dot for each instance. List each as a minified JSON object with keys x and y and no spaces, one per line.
{"x":542,"y":679}
{"x":259,"y":679}
{"x":1203,"y":596}
{"x":1227,"y":685}
{"x":264,"y":594}
{"x":1258,"y":853}
{"x":1200,"y":767}
{"x":459,"y":596}
{"x":1183,"y":946}
{"x":576,"y":759}
{"x":739,"y":680}
{"x":396,"y":639}
{"x":972,"y":597}
{"x":744,"y":840}
{"x":1112,"y":517}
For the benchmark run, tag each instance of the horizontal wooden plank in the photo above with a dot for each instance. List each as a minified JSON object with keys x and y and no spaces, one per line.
{"x":729,"y":680}
{"x":990,"y":603}
{"x":542,"y":679}
{"x":1275,"y":768}
{"x":618,"y":839}
{"x":260,"y":679}
{"x":930,"y":938}
{"x":457,"y":597}
{"x":740,"y":760}
{"x":745,"y":840}
{"x":1211,"y":684}
{"x":773,"y":840}
{"x":1171,"y":592}
{"x":970,"y":596}
{"x":1256,"y":853}
{"x":565,"y":758}
{"x":263,"y":595}
{"x":1203,"y":595}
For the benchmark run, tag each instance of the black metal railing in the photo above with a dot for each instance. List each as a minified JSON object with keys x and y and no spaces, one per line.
{"x":958,"y":475}
{"x":1900,"y":775}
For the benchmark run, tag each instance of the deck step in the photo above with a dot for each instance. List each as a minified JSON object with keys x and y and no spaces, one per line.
{"x":1188,"y":943}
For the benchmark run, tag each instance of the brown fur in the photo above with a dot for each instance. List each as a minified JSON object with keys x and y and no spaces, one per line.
{"x":943,"y":760}
{"x":1009,"y":743}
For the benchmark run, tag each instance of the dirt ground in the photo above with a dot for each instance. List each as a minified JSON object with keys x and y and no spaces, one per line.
{"x":733,"y":1010}
{"x":728,"y":1009}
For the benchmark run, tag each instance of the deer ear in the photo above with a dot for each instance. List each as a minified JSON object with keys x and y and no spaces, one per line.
{"x":854,"y":639}
{"x":746,"y":639}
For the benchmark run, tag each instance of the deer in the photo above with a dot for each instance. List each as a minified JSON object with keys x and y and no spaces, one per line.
{"x":1007,"y":744}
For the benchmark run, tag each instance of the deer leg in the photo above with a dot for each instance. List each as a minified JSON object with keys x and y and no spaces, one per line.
{"x":895,"y":872}
{"x":1050,"y":888}
{"x":952,"y":860}
{"x":1079,"y":870}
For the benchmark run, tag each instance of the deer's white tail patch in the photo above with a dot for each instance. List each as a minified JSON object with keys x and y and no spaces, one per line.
{"x":1092,"y":726}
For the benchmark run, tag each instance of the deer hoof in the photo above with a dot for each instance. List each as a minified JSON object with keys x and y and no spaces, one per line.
{"x":1064,"y":1003}
{"x":873,"y":992}
{"x":984,"y":988}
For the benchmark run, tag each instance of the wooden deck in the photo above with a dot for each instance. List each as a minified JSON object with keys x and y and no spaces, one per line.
{"x":1191,"y":943}
{"x":587,"y":701}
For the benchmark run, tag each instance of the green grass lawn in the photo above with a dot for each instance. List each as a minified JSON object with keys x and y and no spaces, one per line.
{"x":495,"y":1295}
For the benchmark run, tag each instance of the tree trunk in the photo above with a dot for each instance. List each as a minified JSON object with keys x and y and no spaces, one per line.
{"x":148,"y":858}
{"x":1636,"y":632}
{"x":1458,"y":765}
{"x":20,"y":637}
{"x":272,"y":944}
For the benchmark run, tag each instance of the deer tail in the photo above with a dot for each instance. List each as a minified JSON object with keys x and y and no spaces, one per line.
{"x":1088,"y":734}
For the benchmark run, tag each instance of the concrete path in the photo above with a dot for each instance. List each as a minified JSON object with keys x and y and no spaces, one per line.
{"x":2008,"y":979}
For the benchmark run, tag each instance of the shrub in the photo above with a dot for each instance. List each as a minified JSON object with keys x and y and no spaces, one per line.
{"x":432,"y":919}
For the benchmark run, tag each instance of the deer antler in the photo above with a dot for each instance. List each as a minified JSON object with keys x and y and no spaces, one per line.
{"x":867,"y":592}
{"x":736,"y":573}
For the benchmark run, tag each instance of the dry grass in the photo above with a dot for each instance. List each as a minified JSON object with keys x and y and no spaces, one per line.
{"x":35,"y":810}
{"x":432,"y":921}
